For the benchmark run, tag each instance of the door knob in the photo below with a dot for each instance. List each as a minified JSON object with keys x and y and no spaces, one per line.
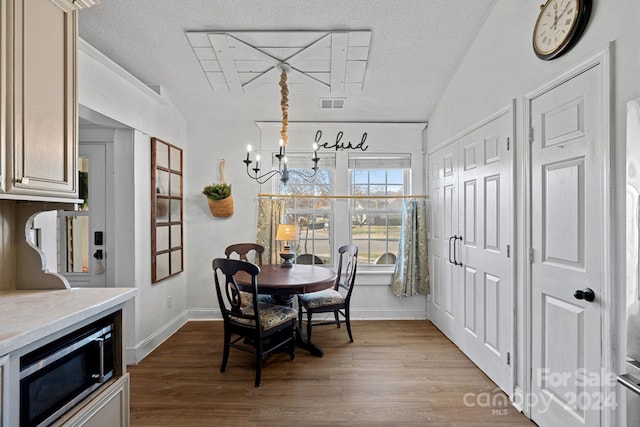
{"x":586,"y":294}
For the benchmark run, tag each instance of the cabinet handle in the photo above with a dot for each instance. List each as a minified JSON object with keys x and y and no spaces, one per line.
{"x":455,"y":257}
{"x":451,"y":262}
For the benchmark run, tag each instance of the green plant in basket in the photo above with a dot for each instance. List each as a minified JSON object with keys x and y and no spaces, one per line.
{"x":217,"y":191}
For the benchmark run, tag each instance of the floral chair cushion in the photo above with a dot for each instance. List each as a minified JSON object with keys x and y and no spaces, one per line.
{"x":246,"y":299}
{"x":271,"y":315}
{"x":322,"y":298}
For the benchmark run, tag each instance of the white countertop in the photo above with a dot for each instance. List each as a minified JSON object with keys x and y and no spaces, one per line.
{"x":27,"y":316}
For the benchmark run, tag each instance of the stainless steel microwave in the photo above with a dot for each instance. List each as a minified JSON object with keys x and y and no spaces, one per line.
{"x":56,"y":377}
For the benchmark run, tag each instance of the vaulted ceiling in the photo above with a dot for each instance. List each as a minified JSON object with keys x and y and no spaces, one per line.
{"x":387,"y":60}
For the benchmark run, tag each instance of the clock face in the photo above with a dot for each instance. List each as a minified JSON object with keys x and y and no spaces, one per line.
{"x":559,"y":24}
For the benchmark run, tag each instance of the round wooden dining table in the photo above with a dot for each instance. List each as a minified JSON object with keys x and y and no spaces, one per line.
{"x":283,"y":283}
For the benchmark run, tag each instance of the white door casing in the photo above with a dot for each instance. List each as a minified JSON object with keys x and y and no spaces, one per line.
{"x":470,"y":244}
{"x":568,"y":174}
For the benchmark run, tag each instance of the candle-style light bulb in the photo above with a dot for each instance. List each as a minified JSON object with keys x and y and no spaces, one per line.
{"x":248,"y":151}
{"x":315,"y":150}
{"x":281,"y":143}
{"x":257,"y":161}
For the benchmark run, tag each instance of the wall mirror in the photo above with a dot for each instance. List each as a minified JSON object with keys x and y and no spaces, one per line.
{"x":166,"y":210}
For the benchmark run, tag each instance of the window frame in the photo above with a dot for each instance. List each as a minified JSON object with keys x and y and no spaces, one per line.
{"x":406,"y":179}
{"x":341,"y":184}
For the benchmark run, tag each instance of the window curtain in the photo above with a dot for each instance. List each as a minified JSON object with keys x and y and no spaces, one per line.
{"x":270,"y":214}
{"x":411,"y":274}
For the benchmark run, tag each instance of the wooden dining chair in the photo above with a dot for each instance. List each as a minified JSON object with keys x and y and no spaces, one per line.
{"x":259,"y":328}
{"x":251,"y":252}
{"x":335,"y":299}
{"x":386,"y":258}
{"x":246,"y":251}
{"x":308,"y":259}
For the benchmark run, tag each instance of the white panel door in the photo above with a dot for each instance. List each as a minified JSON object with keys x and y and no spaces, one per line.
{"x":443,"y":196}
{"x":485,"y":231}
{"x":567,"y":235}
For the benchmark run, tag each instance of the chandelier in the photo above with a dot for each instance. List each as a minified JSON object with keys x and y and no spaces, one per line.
{"x":283,"y":171}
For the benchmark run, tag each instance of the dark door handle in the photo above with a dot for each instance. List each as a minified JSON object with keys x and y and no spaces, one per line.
{"x":586,"y":294}
{"x":98,"y":254}
{"x":450,"y":261}
{"x":455,"y":256}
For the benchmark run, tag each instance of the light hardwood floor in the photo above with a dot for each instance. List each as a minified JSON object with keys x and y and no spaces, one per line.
{"x":396,"y":373}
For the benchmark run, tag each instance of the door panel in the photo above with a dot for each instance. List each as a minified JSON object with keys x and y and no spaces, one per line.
{"x":444,"y":211}
{"x":486,"y":216}
{"x":567,"y":240}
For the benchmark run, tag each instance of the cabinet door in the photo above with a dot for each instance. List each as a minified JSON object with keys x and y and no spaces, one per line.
{"x":41,"y":97}
{"x":4,"y":405}
{"x":110,"y":408}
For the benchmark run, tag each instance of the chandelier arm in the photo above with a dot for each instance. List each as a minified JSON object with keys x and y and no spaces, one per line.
{"x":261,"y":179}
{"x":304,"y":176}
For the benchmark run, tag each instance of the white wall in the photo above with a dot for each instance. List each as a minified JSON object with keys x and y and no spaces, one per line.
{"x":211,"y":142}
{"x":501,"y":66}
{"x":104,"y":88}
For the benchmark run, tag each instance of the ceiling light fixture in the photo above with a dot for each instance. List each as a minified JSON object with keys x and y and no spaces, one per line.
{"x":283,"y":171}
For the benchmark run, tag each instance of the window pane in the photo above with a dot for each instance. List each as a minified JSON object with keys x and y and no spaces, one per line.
{"x":395,"y":176}
{"x":360,"y":177}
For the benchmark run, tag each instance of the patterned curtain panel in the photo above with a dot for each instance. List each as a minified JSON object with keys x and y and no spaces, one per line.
{"x":411,"y":275}
{"x":270,"y":214}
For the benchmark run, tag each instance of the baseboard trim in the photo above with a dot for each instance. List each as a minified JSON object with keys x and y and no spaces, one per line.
{"x":145,"y":347}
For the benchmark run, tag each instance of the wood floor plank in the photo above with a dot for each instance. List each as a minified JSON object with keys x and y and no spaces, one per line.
{"x":396,"y":373}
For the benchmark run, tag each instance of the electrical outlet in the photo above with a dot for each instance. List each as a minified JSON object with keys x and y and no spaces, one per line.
{"x":169,"y":302}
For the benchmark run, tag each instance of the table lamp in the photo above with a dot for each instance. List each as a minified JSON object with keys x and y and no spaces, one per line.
{"x":287,"y":233}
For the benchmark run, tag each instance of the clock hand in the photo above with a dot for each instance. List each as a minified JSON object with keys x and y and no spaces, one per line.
{"x":566,"y":7}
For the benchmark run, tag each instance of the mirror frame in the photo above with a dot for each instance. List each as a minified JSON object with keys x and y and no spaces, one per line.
{"x":167,"y":250}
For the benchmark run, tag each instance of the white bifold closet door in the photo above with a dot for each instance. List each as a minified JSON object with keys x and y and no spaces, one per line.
{"x":470,"y":244}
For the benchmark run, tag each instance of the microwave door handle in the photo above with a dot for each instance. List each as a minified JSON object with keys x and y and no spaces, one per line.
{"x":99,"y":377}
{"x":630,"y":381}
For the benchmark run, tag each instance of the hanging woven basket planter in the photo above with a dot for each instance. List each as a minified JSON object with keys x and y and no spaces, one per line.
{"x":221,"y":208}
{"x":219,"y":197}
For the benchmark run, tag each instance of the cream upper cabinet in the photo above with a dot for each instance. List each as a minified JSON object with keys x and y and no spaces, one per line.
{"x":39,"y":98}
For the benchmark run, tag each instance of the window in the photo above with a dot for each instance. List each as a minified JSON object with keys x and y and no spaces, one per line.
{"x":373,"y":224}
{"x":313,"y":216}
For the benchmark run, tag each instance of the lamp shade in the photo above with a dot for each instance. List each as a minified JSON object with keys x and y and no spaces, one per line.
{"x":287,"y":232}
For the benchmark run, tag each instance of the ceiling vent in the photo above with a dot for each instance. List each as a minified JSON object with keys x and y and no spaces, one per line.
{"x":333,"y":103}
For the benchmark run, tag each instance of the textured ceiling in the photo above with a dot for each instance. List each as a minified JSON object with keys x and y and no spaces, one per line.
{"x":415,"y":47}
